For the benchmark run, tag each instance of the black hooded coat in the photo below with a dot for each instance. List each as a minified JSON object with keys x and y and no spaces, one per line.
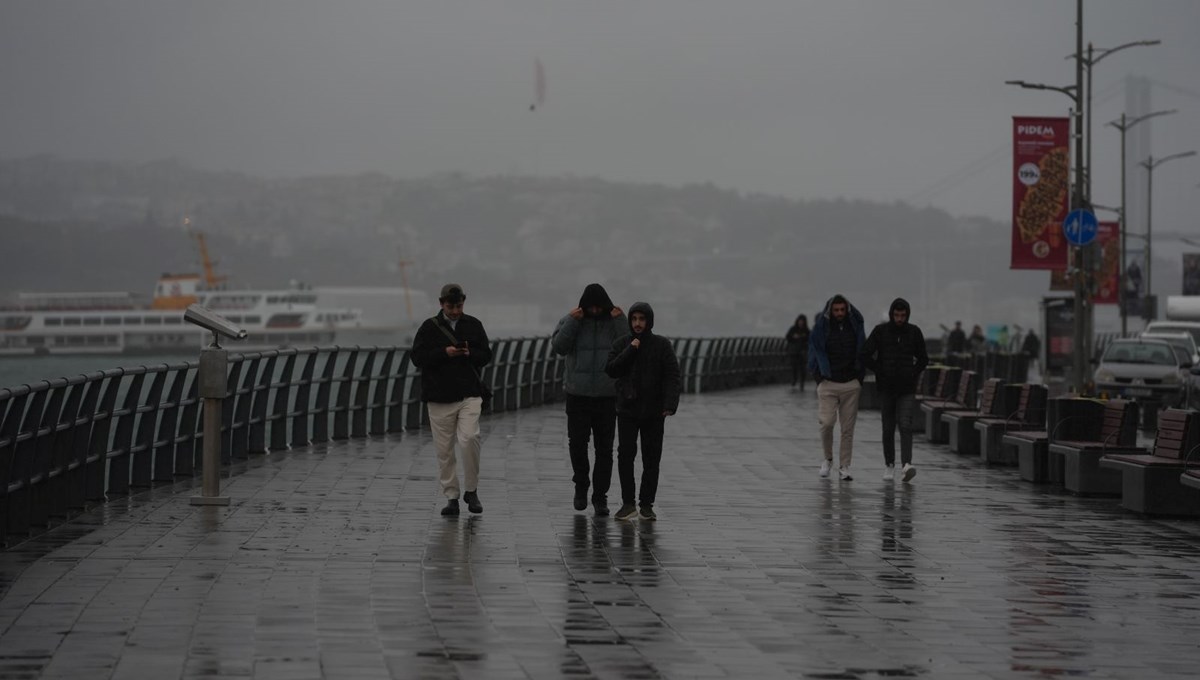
{"x":896,"y":353}
{"x":648,"y":383}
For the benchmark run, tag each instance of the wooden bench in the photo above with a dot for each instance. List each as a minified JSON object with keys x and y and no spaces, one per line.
{"x":936,"y":431}
{"x":1078,"y":454}
{"x":994,"y":399}
{"x":1071,"y":418}
{"x":944,"y":386}
{"x":1150,"y":480}
{"x":1030,"y":414}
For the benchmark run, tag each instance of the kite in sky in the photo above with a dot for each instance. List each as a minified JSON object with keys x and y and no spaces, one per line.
{"x":539,"y":75}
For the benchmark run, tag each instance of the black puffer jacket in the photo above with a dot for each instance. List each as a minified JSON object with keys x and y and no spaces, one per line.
{"x":445,"y":380}
{"x":647,"y":376}
{"x":896,"y":353}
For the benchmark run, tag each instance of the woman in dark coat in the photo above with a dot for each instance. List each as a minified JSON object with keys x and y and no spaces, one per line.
{"x":797,"y":349}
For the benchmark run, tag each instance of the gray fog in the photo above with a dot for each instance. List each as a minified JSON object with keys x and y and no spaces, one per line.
{"x":879,"y":100}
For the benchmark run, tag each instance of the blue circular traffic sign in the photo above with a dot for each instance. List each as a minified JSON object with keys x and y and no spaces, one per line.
{"x":1080,"y":227}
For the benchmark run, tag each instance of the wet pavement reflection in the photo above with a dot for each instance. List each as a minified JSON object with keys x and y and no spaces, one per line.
{"x":333,"y":562}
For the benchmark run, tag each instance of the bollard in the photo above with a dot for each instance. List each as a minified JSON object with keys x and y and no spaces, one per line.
{"x":213,"y":385}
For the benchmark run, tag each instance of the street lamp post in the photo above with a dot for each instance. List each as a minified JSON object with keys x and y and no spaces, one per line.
{"x":1093,"y":57}
{"x":1123,"y":125}
{"x":1150,"y":164}
{"x":1080,"y":343}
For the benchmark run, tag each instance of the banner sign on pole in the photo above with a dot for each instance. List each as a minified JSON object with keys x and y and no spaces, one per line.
{"x":1108,"y":278}
{"x":1041,"y":165}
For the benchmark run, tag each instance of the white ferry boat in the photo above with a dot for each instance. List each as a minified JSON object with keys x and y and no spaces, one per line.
{"x":124,"y":323}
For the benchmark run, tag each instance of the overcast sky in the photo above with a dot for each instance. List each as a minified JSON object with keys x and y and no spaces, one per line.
{"x":872,"y":99}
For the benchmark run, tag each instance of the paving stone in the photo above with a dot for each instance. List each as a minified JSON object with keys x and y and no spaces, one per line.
{"x":333,"y":562}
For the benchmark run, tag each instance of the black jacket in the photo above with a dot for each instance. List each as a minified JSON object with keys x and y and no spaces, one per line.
{"x":648,"y":382}
{"x":896,"y":353}
{"x":445,"y":380}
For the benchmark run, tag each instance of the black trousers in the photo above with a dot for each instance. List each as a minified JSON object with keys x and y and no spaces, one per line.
{"x":897,"y":409}
{"x":589,"y":417}
{"x":629,"y":428}
{"x":799,"y":369}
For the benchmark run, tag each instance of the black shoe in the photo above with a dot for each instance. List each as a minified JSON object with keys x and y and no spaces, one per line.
{"x":647,"y":513}
{"x":581,"y":499}
{"x":451,"y":509}
{"x":472,"y":500}
{"x":600,"y":505}
{"x":627,"y":511}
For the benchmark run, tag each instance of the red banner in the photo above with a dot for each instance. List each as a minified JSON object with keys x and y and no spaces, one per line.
{"x":1108,"y":274}
{"x":1041,"y":163}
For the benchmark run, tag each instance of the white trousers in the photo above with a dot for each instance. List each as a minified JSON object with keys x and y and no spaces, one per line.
{"x":456,"y":422}
{"x":838,"y":402}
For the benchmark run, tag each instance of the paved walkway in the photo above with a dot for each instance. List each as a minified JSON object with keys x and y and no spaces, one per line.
{"x":333,"y":563}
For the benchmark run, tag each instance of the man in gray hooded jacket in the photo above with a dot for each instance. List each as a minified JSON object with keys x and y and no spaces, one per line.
{"x":584,"y":337}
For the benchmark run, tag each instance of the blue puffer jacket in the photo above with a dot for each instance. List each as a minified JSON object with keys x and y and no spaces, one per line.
{"x":585,"y":343}
{"x":818,"y":356}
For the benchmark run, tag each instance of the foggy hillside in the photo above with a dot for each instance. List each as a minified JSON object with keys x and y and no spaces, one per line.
{"x":712,"y":261}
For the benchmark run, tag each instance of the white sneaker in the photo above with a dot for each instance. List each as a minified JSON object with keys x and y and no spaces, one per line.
{"x":825,"y":467}
{"x":844,"y":473}
{"x":909,"y":472}
{"x":889,"y":473}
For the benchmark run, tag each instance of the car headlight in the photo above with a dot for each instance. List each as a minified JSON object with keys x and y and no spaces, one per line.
{"x":1105,"y":375}
{"x":1171,"y":379}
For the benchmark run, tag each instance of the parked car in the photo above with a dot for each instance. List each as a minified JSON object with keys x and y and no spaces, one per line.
{"x":1148,"y":369}
{"x":1192,"y":327}
{"x":1180,"y":339}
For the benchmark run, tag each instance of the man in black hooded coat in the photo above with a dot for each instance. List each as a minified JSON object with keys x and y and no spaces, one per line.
{"x":895,"y":351}
{"x":648,"y":388}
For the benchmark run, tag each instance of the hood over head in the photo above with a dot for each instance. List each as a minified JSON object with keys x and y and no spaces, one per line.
{"x":643,"y":308}
{"x":595,"y":295}
{"x":827,"y":312}
{"x":899,"y":304}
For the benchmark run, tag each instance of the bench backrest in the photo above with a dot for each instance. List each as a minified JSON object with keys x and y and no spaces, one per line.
{"x":966,"y":389}
{"x":1031,"y":407}
{"x":1177,"y":433}
{"x":1120,"y":423}
{"x":987,"y":398}
{"x":948,"y":384}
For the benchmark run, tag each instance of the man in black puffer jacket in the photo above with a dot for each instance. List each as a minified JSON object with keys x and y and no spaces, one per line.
{"x":648,"y":388}
{"x":895,"y":351}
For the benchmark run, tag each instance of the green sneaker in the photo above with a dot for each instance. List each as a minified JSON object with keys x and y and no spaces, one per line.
{"x":627,"y":511}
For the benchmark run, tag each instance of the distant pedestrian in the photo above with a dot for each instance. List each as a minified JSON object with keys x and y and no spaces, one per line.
{"x":895,"y":352}
{"x":956,"y":343}
{"x":585,"y":336}
{"x":1032,"y":348}
{"x":977,"y":343}
{"x":833,"y":357}
{"x":797,"y":350}
{"x":451,"y":349}
{"x":1002,"y":339}
{"x":648,"y":388}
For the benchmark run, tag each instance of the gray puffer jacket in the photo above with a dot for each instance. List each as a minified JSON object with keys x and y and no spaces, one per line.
{"x":585,"y":343}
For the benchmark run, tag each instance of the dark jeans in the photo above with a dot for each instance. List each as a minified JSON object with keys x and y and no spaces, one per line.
{"x":799,"y":369}
{"x":651,"y":431}
{"x":588,"y":416}
{"x":897,"y":409}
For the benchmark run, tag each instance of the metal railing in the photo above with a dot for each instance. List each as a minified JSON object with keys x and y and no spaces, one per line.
{"x":70,"y":442}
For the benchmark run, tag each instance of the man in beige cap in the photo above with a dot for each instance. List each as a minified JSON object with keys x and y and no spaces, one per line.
{"x":451,"y":349}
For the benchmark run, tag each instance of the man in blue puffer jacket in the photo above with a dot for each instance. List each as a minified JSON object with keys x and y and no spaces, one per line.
{"x":584,"y":337}
{"x":834,"y":358}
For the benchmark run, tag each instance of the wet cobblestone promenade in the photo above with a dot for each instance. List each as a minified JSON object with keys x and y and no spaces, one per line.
{"x":333,"y":562}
